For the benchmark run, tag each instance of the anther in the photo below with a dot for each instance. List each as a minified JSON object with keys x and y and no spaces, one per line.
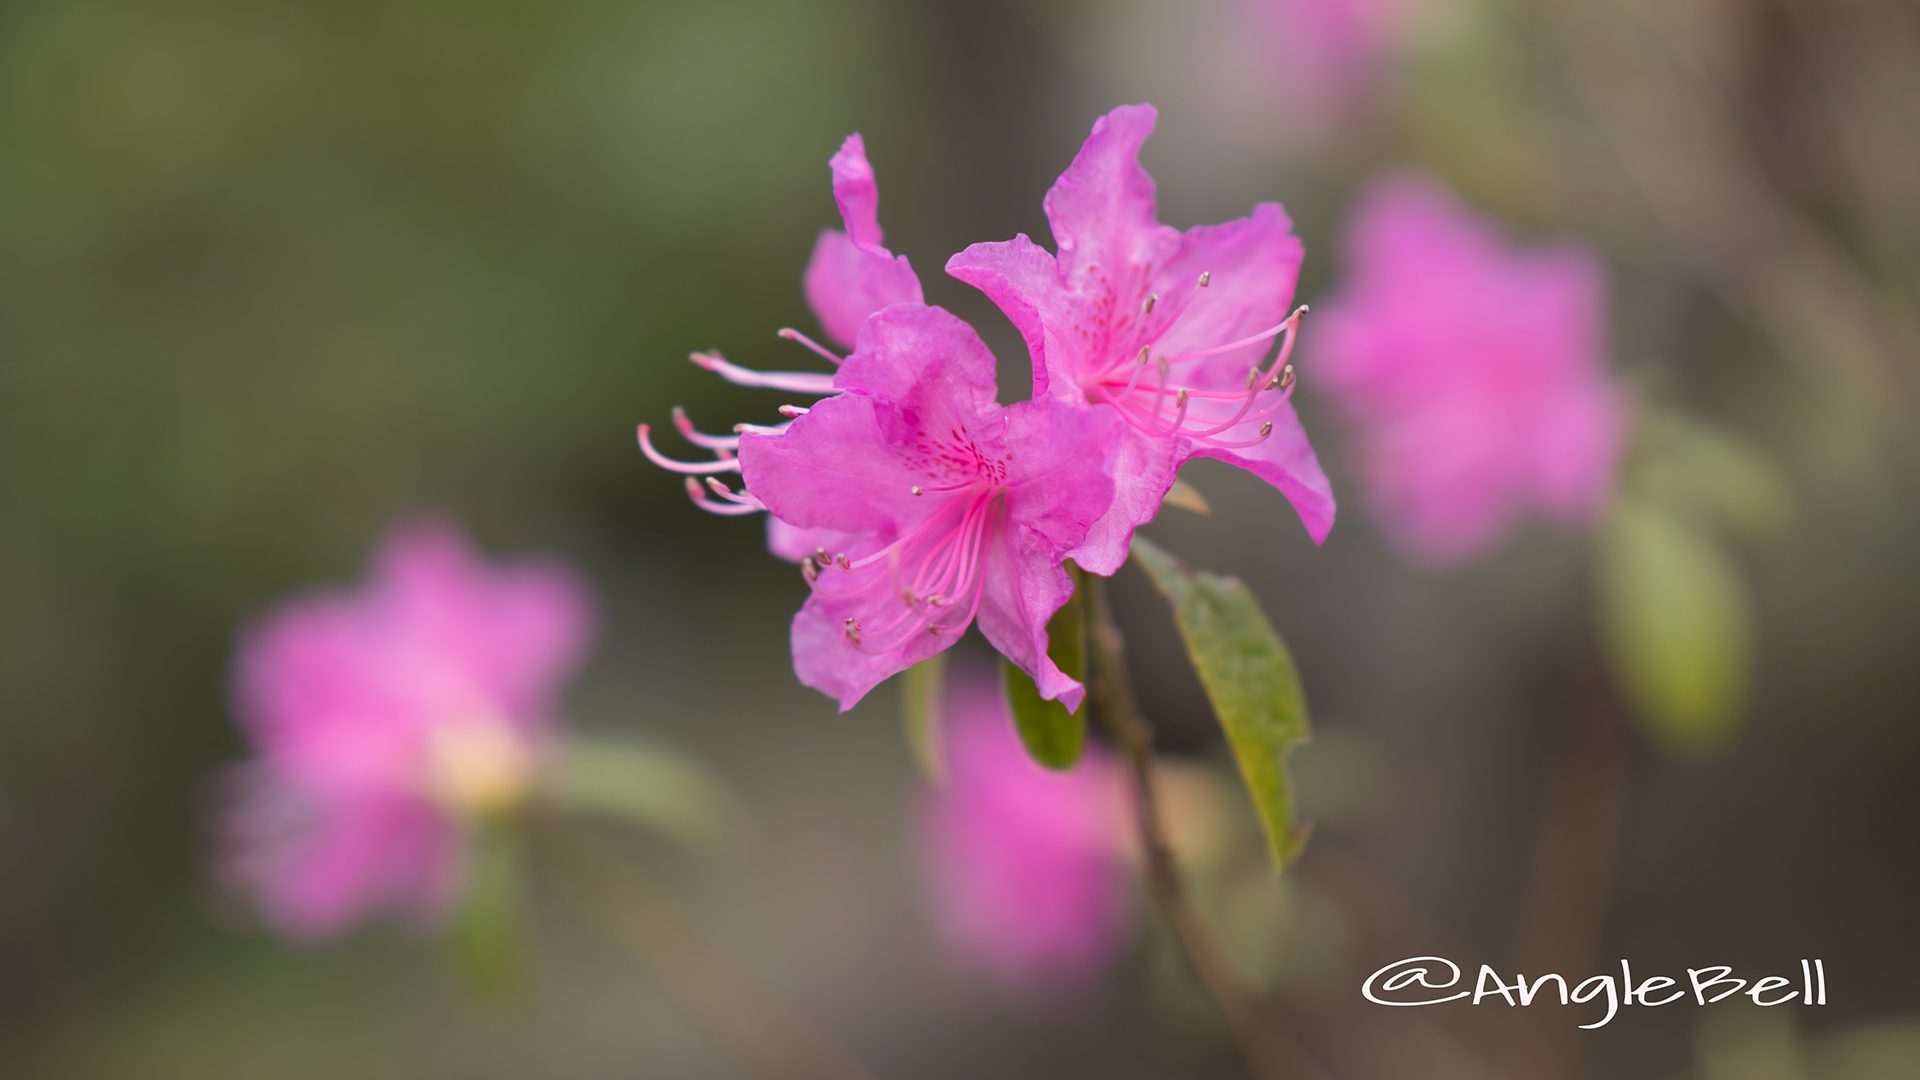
{"x":853,"y":630}
{"x":820,"y":555}
{"x":917,"y":491}
{"x":718,"y":488}
{"x":792,"y":411}
{"x":1206,"y":278}
{"x":809,"y":569}
{"x":1180,"y":399}
{"x":840,"y":560}
{"x":1253,"y":376}
{"x":1146,"y":308}
{"x":1144,"y":350}
{"x":1266,"y":428}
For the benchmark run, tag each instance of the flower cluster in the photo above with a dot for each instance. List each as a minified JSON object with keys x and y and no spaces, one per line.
{"x":386,"y":720}
{"x":1474,"y":374}
{"x":917,"y":505}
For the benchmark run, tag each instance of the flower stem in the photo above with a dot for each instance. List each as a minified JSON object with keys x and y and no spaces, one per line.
{"x":720,"y":999}
{"x":1269,"y":1055}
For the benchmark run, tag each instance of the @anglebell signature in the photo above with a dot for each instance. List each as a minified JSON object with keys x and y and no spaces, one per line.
{"x":1434,"y":980}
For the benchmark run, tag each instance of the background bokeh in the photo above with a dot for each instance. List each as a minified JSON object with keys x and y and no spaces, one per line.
{"x":274,"y":272}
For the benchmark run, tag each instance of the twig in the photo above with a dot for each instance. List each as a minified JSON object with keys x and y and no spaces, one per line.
{"x":1254,"y":1029}
{"x":1570,"y":883}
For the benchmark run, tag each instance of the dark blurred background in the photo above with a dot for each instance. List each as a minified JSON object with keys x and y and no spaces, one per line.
{"x":272,"y":273}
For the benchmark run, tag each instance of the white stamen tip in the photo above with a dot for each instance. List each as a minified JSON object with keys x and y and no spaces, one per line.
{"x":917,"y":491}
{"x":792,"y":411}
{"x":1206,"y":278}
{"x":717,"y":487}
{"x":1180,"y":398}
{"x":1146,"y":308}
{"x":1266,"y":428}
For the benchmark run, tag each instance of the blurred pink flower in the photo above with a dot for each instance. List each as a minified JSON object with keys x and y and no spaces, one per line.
{"x":948,"y":507}
{"x":1473,"y":373}
{"x":385,"y":718}
{"x":1027,"y":867}
{"x":1167,"y":330}
{"x":1325,"y":54}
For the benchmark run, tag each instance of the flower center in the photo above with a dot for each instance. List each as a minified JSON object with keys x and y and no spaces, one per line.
{"x":931,"y":571}
{"x":1166,"y":403}
{"x":478,"y":767}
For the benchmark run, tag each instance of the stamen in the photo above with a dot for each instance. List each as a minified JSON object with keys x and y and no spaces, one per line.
{"x":799,"y":382}
{"x":1206,"y":278}
{"x":1289,"y":323}
{"x":917,"y":490}
{"x":790,"y":334}
{"x":687,"y":431}
{"x":793,"y":411}
{"x":745,"y":504}
{"x":1146,"y":308}
{"x":809,"y":570}
{"x":685,"y":468}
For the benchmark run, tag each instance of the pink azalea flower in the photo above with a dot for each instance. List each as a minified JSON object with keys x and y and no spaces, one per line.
{"x":948,"y":506}
{"x":1028,"y":868}
{"x":383,"y":719}
{"x":1167,"y":330}
{"x":849,"y":277}
{"x":1473,"y":373}
{"x":1325,"y":53}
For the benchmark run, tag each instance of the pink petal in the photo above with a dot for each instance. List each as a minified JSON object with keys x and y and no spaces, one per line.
{"x":856,"y":193}
{"x":827,"y":660}
{"x":1022,"y":278}
{"x":1025,"y":586}
{"x":845,"y":283}
{"x":1252,"y":265}
{"x":925,"y":358}
{"x":316,"y":866}
{"x":850,"y":276}
{"x":834,"y":468}
{"x":1102,"y":207}
{"x":1286,"y":460}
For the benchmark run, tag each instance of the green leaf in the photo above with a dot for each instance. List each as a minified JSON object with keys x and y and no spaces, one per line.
{"x":1187,"y":497}
{"x":1250,"y":680}
{"x":1691,"y":465}
{"x":641,"y":783}
{"x":1053,"y":736}
{"x":1675,"y":623}
{"x":484,"y":935}
{"x":920,"y":708}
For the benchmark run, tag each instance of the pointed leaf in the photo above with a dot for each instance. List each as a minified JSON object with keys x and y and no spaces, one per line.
{"x":1675,"y":624}
{"x":1053,"y":736}
{"x":641,"y":783}
{"x":1250,"y":680}
{"x":1187,"y":497}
